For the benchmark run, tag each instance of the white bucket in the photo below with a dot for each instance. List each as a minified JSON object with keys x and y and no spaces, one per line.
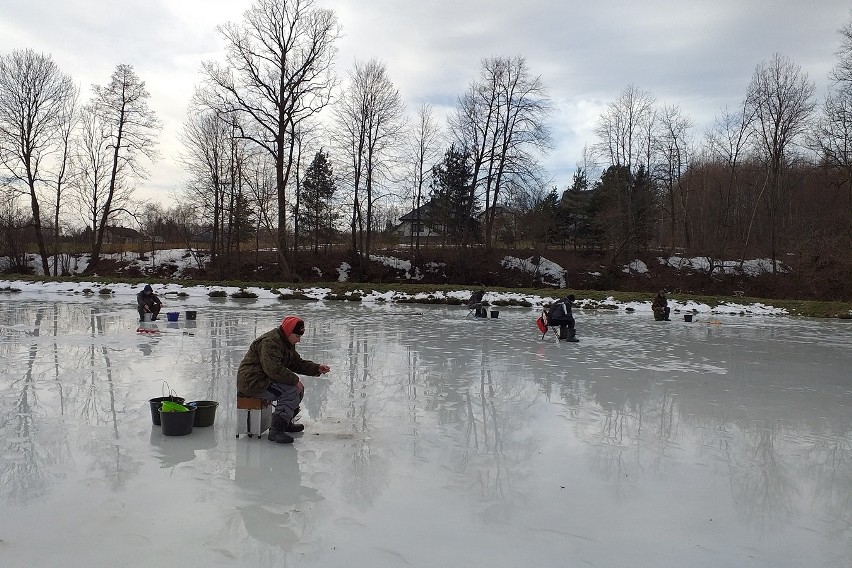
{"x":146,"y":317}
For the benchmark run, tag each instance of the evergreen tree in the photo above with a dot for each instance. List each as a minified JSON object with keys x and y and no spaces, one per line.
{"x":452,"y":196}
{"x":317,"y":217}
{"x":575,"y":212}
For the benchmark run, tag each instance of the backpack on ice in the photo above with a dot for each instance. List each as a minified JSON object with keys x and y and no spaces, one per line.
{"x":541,"y":323}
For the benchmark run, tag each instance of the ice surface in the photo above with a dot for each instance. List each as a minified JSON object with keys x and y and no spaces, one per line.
{"x":438,"y":440}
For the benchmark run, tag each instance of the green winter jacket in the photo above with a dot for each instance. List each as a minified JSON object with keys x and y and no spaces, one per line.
{"x":271,"y":358}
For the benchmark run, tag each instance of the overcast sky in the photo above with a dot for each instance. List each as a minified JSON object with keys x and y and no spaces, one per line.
{"x":697,"y":54}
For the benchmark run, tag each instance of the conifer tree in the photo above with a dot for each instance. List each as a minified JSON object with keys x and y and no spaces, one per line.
{"x":317,"y":216}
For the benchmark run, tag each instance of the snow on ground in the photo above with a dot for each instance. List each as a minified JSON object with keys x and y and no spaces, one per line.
{"x":549,"y":272}
{"x":753,"y":267}
{"x":166,"y":291}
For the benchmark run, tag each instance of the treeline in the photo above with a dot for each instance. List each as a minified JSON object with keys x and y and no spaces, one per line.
{"x":281,"y":153}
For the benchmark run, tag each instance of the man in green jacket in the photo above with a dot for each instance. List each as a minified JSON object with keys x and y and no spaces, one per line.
{"x":268,"y":371}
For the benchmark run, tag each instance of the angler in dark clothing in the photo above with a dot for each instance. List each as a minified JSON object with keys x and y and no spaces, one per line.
{"x":560,"y":314}
{"x":476,"y":299}
{"x":148,"y":303}
{"x":476,"y":304}
{"x":661,"y":308}
{"x":268,"y":371}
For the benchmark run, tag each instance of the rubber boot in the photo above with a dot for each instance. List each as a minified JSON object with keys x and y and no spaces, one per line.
{"x":278,"y":431}
{"x":563,"y":333}
{"x":572,"y":336}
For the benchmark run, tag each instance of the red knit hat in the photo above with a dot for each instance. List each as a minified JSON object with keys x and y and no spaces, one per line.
{"x":293,"y":324}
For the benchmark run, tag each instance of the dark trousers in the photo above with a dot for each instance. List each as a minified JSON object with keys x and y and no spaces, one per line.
{"x":564,"y":324}
{"x":155,"y":310}
{"x":285,"y":398}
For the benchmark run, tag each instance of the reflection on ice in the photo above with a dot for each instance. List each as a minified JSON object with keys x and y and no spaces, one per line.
{"x":437,"y":439}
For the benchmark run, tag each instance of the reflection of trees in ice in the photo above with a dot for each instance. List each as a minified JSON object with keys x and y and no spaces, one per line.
{"x":368,"y":467}
{"x":829,"y":464}
{"x":631,"y":428}
{"x":24,"y":459}
{"x":762,"y":485}
{"x":488,"y":468}
{"x":482,"y":409}
{"x":22,"y":465}
{"x":635,"y":430}
{"x":67,"y":374}
{"x":208,"y":371}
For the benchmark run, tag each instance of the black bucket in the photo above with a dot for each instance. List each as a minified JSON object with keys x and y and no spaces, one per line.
{"x":687,"y":317}
{"x":190,"y":315}
{"x":495,"y":314}
{"x":157,"y":403}
{"x":205,"y":412}
{"x":177,"y":423}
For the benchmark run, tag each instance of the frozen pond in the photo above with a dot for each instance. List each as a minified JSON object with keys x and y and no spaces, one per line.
{"x":438,"y":440}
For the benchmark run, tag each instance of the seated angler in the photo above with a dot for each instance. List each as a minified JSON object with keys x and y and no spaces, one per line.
{"x":147,"y":303}
{"x":475,"y":299}
{"x":560,"y":314}
{"x":660,"y":307}
{"x":476,"y":303}
{"x":270,"y":369}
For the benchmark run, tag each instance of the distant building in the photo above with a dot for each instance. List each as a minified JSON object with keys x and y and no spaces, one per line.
{"x":421,"y":221}
{"x":122,"y":236}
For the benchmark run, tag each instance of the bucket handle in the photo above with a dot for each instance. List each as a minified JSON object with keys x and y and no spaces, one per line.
{"x":168,"y":391}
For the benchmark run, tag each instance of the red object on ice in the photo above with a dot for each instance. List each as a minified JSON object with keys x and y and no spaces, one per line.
{"x":144,"y":330}
{"x":540,"y":324}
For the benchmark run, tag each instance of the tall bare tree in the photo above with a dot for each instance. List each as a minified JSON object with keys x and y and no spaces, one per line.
{"x":369,"y":121}
{"x":623,"y":141}
{"x":278,"y":73}
{"x":780,"y":96}
{"x":34,"y":100}
{"x":726,"y":144}
{"x":129,"y":128}
{"x":63,"y":174}
{"x":208,"y":149}
{"x":672,"y":143}
{"x":92,"y":165}
{"x":500,"y":121}
{"x":424,"y":152}
{"x":841,"y":73}
{"x":832,"y":133}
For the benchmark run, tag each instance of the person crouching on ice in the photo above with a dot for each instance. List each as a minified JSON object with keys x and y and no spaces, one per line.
{"x":269,"y":371}
{"x":660,"y":307}
{"x":147,"y":302}
{"x":560,"y":314}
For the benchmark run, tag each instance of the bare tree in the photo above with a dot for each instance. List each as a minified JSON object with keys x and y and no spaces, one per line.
{"x":35,"y":97}
{"x":92,"y":165}
{"x":672,"y":143}
{"x":832,"y":134}
{"x":424,"y":152}
{"x":218,"y":162}
{"x":369,"y":121}
{"x":129,"y":127}
{"x":780,"y":96}
{"x":278,"y":73}
{"x":842,"y":71}
{"x":63,"y":174}
{"x":620,"y":130}
{"x":726,"y":144}
{"x":624,"y":143}
{"x":500,"y":121}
